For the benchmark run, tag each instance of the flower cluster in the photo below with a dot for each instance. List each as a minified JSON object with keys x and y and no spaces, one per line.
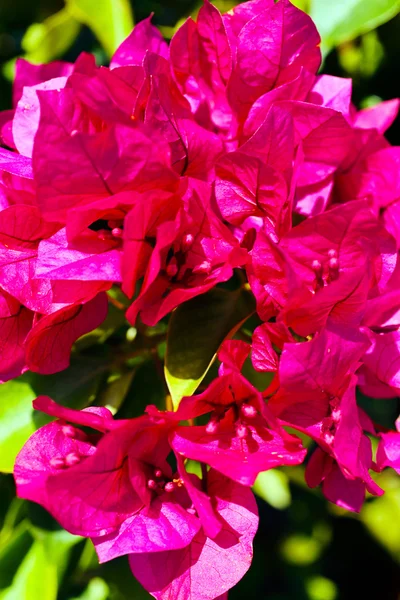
{"x":165,"y":174}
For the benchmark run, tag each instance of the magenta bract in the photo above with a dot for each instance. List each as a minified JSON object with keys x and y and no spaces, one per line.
{"x":218,"y":160}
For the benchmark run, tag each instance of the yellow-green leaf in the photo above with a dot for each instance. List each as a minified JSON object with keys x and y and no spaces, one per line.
{"x":50,"y":39}
{"x":36,"y":577}
{"x":16,"y":420}
{"x":343,"y":20}
{"x":110,"y":20}
{"x":196,"y":330}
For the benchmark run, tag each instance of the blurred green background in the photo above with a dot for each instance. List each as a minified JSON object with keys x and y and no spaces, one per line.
{"x":305,"y":549}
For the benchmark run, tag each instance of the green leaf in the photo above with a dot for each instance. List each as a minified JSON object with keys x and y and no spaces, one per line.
{"x":146,"y":388}
{"x":344,"y":20}
{"x":46,"y":41}
{"x":76,"y":386}
{"x":58,"y":545}
{"x":36,"y":577}
{"x":110,"y":20}
{"x":16,"y":420}
{"x":13,"y":547}
{"x":273,"y":487}
{"x":196,"y":330}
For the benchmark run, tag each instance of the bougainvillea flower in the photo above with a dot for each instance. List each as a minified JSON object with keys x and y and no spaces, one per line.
{"x":55,"y":447}
{"x":207,"y":568}
{"x":116,"y":487}
{"x":90,"y":258}
{"x":49,"y":343}
{"x":85,"y":165}
{"x":217,"y":159}
{"x":271,"y":49}
{"x":194,"y":149}
{"x":41,"y":342}
{"x":255,"y":179}
{"x":28,"y":74}
{"x":326,"y":266}
{"x":313,"y":372}
{"x":191,"y":254}
{"x":144,"y":38}
{"x":202,"y":62}
{"x":94,"y":497}
{"x":241,"y":438}
{"x":21,"y":229}
{"x":27,"y":114}
{"x":317,"y":397}
{"x":140,"y":229}
{"x":341,"y":438}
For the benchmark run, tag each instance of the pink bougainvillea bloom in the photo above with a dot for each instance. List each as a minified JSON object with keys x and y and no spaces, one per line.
{"x":241,"y":438}
{"x":317,"y":397}
{"x":85,"y":165}
{"x":271,"y":49}
{"x":90,"y":258}
{"x":41,"y":341}
{"x":348,"y":456}
{"x":28,"y":75}
{"x":163,"y":174}
{"x":323,"y":267}
{"x":313,"y":372}
{"x":206,"y":568}
{"x":21,"y":230}
{"x":201,"y":59}
{"x":116,"y":487}
{"x":49,"y":343}
{"x":191,"y":255}
{"x":144,"y":38}
{"x":255,"y":179}
{"x":55,"y":448}
{"x":106,"y":483}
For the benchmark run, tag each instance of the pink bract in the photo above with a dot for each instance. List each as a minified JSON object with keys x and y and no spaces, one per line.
{"x":219,"y":160}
